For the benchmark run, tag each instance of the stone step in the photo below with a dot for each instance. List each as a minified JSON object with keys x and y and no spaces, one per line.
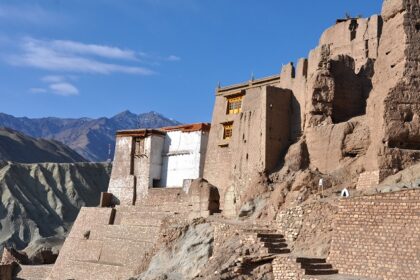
{"x":316,"y":266}
{"x":143,"y":214}
{"x":162,"y":195}
{"x":141,"y":210}
{"x":134,"y":219}
{"x":90,"y":271}
{"x":126,"y":232}
{"x":320,"y":271}
{"x":165,"y":207}
{"x":165,"y":192}
{"x":162,"y":208}
{"x":125,"y":252}
{"x":310,"y":260}
{"x":113,"y":250}
{"x":270,"y":235}
{"x":271,"y":240}
{"x":34,"y":272}
{"x":275,"y":245}
{"x":278,"y":251}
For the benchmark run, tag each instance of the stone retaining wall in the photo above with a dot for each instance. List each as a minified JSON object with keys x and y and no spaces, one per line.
{"x":378,"y":236}
{"x":369,"y":179}
{"x":286,"y":268}
{"x":289,"y":222}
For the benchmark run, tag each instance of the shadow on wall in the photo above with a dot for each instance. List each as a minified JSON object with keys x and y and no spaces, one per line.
{"x":351,"y":90}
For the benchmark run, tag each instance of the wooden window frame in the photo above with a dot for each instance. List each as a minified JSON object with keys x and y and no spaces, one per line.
{"x":227,"y":130}
{"x":234,"y":104}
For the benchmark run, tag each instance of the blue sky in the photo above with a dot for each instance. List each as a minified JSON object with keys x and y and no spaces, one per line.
{"x":93,"y":58}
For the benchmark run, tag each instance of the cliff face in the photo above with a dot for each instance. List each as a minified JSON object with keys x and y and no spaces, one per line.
{"x":43,"y":200}
{"x":357,"y":94}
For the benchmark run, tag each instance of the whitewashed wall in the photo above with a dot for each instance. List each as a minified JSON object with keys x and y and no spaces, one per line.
{"x":182,"y":157}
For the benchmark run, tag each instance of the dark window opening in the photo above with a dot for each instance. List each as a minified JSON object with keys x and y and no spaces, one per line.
{"x":408,"y":116}
{"x":138,"y":147}
{"x":156,"y":183}
{"x":351,"y":90}
{"x":353,"y":29}
{"x":351,"y":154}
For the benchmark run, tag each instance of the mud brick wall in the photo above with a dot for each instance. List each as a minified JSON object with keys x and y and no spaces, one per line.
{"x":289,"y":222}
{"x":286,"y":268}
{"x":378,"y":236}
{"x":368,"y":179}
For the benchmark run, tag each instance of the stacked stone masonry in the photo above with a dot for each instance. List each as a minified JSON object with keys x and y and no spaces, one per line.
{"x":290,"y":222}
{"x":286,"y":268}
{"x":369,"y":179}
{"x":116,"y":241}
{"x":378,"y":236}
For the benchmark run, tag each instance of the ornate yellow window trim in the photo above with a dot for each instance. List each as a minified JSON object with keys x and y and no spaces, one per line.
{"x":234,"y":105}
{"x":227,"y":131}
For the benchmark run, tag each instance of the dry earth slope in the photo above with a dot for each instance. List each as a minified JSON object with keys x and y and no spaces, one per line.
{"x":43,"y":200}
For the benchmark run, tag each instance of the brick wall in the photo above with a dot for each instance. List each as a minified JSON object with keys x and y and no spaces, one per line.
{"x":286,"y":268}
{"x":369,"y":179}
{"x":289,"y":222}
{"x":378,"y":236}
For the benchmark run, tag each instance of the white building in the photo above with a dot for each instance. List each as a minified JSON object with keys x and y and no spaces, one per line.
{"x":157,"y":158}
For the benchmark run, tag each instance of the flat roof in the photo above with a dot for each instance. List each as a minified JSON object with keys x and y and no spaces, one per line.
{"x":188,"y":127}
{"x":139,"y":132}
{"x":249,"y":84}
{"x":162,"y":131}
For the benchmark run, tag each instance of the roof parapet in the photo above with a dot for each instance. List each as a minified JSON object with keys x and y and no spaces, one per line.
{"x":139,"y":132}
{"x":249,"y":84}
{"x":162,"y":131}
{"x":188,"y":127}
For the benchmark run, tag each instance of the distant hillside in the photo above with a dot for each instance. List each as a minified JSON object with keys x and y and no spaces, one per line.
{"x":89,"y":137}
{"x":43,"y":200}
{"x":17,"y":147}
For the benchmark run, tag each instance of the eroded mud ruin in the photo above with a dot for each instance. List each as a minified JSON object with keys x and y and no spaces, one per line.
{"x":348,"y":113}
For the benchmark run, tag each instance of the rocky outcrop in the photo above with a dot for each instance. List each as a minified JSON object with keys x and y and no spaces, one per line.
{"x":358,"y":95}
{"x":185,"y":257}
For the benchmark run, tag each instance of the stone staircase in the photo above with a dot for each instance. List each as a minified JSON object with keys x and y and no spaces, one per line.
{"x":270,"y":243}
{"x":113,"y":243}
{"x":316,"y":266}
{"x":273,"y":243}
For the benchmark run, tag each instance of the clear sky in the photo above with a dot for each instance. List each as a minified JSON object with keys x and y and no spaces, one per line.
{"x":93,"y":58}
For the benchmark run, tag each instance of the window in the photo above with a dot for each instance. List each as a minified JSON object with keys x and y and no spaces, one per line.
{"x":156,"y":183}
{"x":227,"y":131}
{"x":139,"y":147}
{"x":234,"y":105}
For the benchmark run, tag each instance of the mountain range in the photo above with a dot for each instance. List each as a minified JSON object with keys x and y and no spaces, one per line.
{"x":89,"y":137}
{"x":18,"y":147}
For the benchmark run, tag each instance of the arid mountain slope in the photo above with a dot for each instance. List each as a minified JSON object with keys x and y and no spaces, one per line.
{"x":17,"y":147}
{"x":43,"y":200}
{"x":89,"y":137}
